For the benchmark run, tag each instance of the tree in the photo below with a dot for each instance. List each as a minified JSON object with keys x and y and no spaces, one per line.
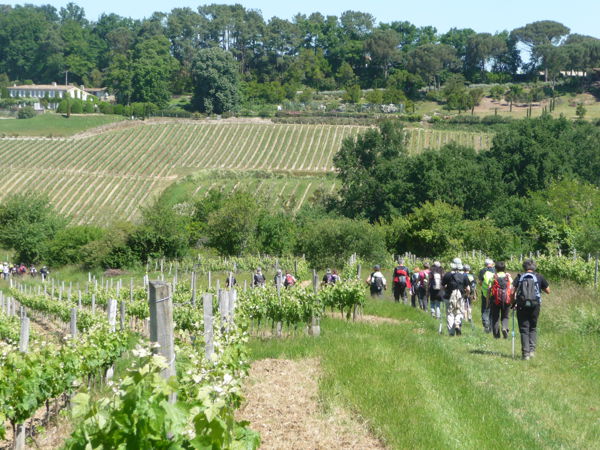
{"x":580,"y":111}
{"x":536,"y":35}
{"x":216,"y":81}
{"x":481,"y":48}
{"x":455,"y":93}
{"x":513,"y":94}
{"x":382,"y":52}
{"x":430,"y":60}
{"x":29,"y":222}
{"x":352,"y":94}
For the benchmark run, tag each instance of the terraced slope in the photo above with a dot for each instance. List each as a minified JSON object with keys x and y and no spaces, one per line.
{"x":105,"y":177}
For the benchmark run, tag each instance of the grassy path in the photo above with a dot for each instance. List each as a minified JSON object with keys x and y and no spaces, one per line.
{"x":421,"y":390}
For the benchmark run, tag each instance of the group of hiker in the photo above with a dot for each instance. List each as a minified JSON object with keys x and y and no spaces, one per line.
{"x":8,"y":270}
{"x":288,"y":280}
{"x":431,"y":286}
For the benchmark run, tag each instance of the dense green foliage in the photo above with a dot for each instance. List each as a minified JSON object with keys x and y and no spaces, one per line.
{"x":148,"y":60}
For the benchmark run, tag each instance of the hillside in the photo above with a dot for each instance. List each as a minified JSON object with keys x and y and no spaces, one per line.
{"x":105,"y":176}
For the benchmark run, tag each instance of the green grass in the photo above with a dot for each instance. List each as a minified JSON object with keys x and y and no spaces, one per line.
{"x":418,"y":389}
{"x":53,"y":125}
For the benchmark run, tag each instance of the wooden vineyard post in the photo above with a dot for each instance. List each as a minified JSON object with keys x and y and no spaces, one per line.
{"x":122,"y":315}
{"x":207,"y":303}
{"x":315,"y":327}
{"x":209,"y":280}
{"x":23,"y":347}
{"x":24,"y":336}
{"x":73,"y":325}
{"x":358,"y":270}
{"x":279,"y":324}
{"x":596,"y":273}
{"x":223,"y":298}
{"x":111,"y":311}
{"x":193,"y":283}
{"x":131,"y":290}
{"x":161,"y":324}
{"x":93,"y":303}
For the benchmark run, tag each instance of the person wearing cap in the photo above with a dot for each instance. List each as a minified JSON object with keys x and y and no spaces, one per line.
{"x":469,"y":299}
{"x":401,"y":282}
{"x":278,"y":280}
{"x":259,"y":279}
{"x":456,"y":286}
{"x":436,"y":289}
{"x":328,"y":278}
{"x":486,"y":279}
{"x":377,"y":282}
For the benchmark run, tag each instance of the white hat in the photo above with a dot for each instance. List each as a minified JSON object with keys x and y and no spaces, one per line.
{"x":437,"y":264}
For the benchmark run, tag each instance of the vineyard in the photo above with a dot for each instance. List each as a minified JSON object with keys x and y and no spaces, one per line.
{"x":105,"y":177}
{"x":210,"y":334}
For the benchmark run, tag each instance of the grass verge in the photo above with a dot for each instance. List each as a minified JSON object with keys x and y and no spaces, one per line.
{"x":54,"y":125}
{"x":418,"y":389}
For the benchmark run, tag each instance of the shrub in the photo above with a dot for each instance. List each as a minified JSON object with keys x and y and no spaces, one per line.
{"x":27,"y":112}
{"x":66,"y":246}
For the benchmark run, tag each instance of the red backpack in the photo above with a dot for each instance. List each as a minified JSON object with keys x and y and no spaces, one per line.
{"x":501,"y":290}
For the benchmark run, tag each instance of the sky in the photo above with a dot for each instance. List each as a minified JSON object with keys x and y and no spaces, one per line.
{"x":483,"y":16}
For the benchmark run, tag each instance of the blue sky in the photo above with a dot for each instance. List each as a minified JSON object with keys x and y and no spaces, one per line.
{"x":579,"y":15}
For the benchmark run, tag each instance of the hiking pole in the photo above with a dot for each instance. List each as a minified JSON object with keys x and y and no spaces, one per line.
{"x":513,"y":334}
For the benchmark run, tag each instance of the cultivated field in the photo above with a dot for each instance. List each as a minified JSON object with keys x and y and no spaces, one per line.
{"x":106,"y":176}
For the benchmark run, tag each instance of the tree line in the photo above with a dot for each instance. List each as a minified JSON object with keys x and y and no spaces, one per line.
{"x":170,"y":53}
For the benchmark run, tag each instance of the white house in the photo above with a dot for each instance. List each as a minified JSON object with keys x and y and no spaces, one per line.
{"x":51,"y":91}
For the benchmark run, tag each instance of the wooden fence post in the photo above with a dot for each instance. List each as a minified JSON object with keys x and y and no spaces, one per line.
{"x":73,"y":327}
{"x":161,"y":323}
{"x":93,"y":303}
{"x":111,"y":310}
{"x":207,"y":303}
{"x":596,"y":273}
{"x":122,"y":318}
{"x":24,"y":337}
{"x":193,"y":283}
{"x":315,"y":327}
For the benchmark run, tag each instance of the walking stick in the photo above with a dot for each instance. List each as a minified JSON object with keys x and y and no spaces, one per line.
{"x":513,"y":334}
{"x":440,"y":329}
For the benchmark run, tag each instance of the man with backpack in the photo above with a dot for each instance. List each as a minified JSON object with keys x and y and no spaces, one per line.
{"x":423,"y":287}
{"x":469,"y":299}
{"x":328,"y":278}
{"x":528,"y":300}
{"x":414,"y":286}
{"x":500,"y":299}
{"x":401,"y":281}
{"x":436,"y":290}
{"x":377,"y":282}
{"x":486,"y":278}
{"x":456,"y":286}
{"x":289,"y":280}
{"x":259,"y":279}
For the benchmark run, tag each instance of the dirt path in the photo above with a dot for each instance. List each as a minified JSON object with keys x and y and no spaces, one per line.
{"x":282,"y":403}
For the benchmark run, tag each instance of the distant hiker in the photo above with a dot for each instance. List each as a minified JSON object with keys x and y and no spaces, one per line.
{"x":44,"y":272}
{"x":486,"y":278}
{"x":528,"y":300}
{"x":5,"y":271}
{"x":328,"y":279}
{"x":401,"y":281}
{"x":230,"y":281}
{"x":289,"y":280}
{"x":423,"y":290}
{"x":470,"y":299}
{"x":377,"y":282}
{"x":278,"y":281}
{"x":456,"y":286}
{"x":32,"y":271}
{"x":259,"y":279}
{"x":436,"y":289}
{"x":335,"y":276}
{"x":500,"y":298}
{"x":414,"y":287}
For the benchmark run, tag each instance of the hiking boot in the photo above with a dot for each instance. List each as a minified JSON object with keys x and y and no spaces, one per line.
{"x":505,"y":334}
{"x":526,"y":357}
{"x":531,"y":354}
{"x":458,"y":331}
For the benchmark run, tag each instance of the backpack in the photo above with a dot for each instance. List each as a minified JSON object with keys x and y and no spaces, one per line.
{"x":456,"y":282}
{"x":424,"y":279}
{"x":289,"y":280}
{"x":400,"y":276}
{"x":437,"y":281}
{"x":501,"y":290}
{"x":488,"y":281}
{"x":528,"y":292}
{"x":472,"y":283}
{"x":376,"y":283}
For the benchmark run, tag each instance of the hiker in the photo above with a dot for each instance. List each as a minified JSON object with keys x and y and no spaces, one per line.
{"x":414,"y":286}
{"x":278,"y":281}
{"x":436,"y":290}
{"x":470,"y":299}
{"x":335,"y":277}
{"x":289,"y":280}
{"x":328,"y":278}
{"x":500,"y":298}
{"x":230,"y":281}
{"x":456,"y":286}
{"x":486,"y":277}
{"x":401,"y":280}
{"x":423,"y":290}
{"x":44,"y":272}
{"x":259,"y":279}
{"x":377,"y":282}
{"x":32,"y":271}
{"x":527,"y":301}
{"x":5,"y":271}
